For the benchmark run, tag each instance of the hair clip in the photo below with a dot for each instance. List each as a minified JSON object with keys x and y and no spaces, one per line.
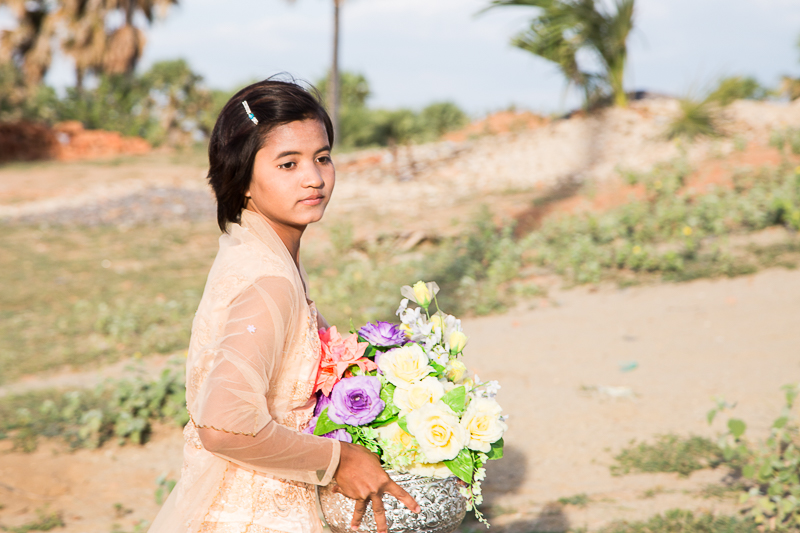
{"x":250,"y":114}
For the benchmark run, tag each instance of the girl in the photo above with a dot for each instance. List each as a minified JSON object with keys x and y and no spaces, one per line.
{"x":254,"y":352}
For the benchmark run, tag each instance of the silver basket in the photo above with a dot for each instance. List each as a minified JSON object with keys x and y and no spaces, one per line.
{"x":443,"y":507}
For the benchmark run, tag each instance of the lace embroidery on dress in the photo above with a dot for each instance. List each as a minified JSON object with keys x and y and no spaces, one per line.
{"x":239,"y":527}
{"x":190,"y":435}
{"x":248,"y":490}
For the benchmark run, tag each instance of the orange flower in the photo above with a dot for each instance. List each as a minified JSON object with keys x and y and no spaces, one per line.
{"x":337,"y":355}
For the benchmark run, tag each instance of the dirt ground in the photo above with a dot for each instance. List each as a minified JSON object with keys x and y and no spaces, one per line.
{"x":559,"y":360}
{"x":735,"y":338}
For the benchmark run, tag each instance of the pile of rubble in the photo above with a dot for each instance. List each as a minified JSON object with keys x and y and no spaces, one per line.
{"x":66,"y":141}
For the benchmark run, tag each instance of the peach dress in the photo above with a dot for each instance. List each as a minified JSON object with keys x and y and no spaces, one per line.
{"x":250,"y":373}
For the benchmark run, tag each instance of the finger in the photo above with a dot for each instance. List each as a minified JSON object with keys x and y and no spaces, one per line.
{"x":380,"y":514}
{"x":398,"y":492}
{"x":358,"y":514}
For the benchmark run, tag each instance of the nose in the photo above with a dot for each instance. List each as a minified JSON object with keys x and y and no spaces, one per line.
{"x":313,"y":178}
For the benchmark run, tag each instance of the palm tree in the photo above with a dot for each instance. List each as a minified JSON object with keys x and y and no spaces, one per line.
{"x":126,"y":43}
{"x":565,"y":27}
{"x":79,"y":27}
{"x":29,"y":44}
{"x":85,"y":38}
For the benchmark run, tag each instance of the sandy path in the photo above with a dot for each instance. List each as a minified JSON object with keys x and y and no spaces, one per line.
{"x":737,"y":338}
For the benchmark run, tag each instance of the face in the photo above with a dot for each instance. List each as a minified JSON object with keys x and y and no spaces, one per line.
{"x":293,"y":176}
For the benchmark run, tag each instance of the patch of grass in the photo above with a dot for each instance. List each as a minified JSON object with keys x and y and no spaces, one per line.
{"x":87,"y":419}
{"x":669,"y":453}
{"x":696,"y":118}
{"x":652,"y":493}
{"x":683,"y":521}
{"x":140,"y":527}
{"x":164,"y":487}
{"x":75,"y":295}
{"x":672,"y":234}
{"x":478,"y":271}
{"x":45,"y":522}
{"x":721,"y":491}
{"x":578,"y":500}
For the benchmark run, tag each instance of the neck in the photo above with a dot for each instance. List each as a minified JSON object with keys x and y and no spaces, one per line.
{"x":289,"y":235}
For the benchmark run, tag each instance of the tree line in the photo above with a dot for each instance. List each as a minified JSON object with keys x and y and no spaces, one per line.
{"x":585,"y":39}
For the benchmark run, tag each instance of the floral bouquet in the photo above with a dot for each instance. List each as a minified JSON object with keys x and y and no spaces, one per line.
{"x":401,"y":391}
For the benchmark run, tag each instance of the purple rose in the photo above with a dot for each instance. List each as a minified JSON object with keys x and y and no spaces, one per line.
{"x":338,"y":434}
{"x":322,"y":402}
{"x":356,"y":401}
{"x":383,"y":334}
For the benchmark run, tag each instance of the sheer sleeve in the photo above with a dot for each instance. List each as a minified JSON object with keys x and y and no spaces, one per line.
{"x":231,"y":411}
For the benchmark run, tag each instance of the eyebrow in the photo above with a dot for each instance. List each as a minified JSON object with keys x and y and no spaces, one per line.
{"x":325,"y":148}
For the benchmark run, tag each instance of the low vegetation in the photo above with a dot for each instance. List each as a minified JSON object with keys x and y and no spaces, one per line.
{"x":669,"y":453}
{"x":76,"y":295}
{"x":682,"y":521}
{"x":45,"y":521}
{"x":86,"y":295}
{"x":765,"y":475}
{"x":700,"y":117}
{"x":122,"y":410}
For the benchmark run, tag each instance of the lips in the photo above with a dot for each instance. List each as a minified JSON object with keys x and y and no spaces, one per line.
{"x":312,"y":200}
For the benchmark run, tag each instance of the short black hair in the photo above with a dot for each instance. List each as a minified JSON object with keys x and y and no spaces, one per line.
{"x":236,"y":138}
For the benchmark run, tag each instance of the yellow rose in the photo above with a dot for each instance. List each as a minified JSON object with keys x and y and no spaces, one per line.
{"x":437,"y":470}
{"x":422,"y":294}
{"x":455,"y":370}
{"x":437,"y":431}
{"x":427,"y":390}
{"x":438,"y":322}
{"x":403,"y":366}
{"x":394,"y":434}
{"x":482,"y":423}
{"x":457,"y":342}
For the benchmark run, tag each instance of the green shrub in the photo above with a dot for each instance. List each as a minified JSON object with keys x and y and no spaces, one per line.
{"x":683,"y":521}
{"x":770,"y":469}
{"x":669,"y":453}
{"x":45,"y":522}
{"x":734,"y":88}
{"x":88,"y":418}
{"x":696,"y":118}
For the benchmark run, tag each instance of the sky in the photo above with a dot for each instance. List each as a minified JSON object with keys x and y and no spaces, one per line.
{"x":414,"y":52}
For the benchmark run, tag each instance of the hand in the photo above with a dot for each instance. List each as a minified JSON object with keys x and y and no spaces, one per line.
{"x":360,"y":477}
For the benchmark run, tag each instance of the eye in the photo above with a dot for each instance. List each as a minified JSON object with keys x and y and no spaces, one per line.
{"x":288,"y":165}
{"x":324,"y":159}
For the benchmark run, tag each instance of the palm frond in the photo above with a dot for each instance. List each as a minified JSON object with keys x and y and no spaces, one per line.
{"x":563,"y":28}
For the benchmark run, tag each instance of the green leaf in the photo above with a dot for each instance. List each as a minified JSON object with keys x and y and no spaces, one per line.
{"x":370,"y":351}
{"x":779,"y":423}
{"x":456,"y":399}
{"x":710,"y":416}
{"x":437,"y":367}
{"x":462,"y":465}
{"x":403,"y":424}
{"x":325,"y":424}
{"x":380,"y":423}
{"x":737,"y":427}
{"x":390,"y":410}
{"x":748,"y":471}
{"x":497,"y":450}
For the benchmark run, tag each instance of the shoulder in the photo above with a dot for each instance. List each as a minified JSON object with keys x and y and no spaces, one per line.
{"x":242,"y":252}
{"x":242,"y":261}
